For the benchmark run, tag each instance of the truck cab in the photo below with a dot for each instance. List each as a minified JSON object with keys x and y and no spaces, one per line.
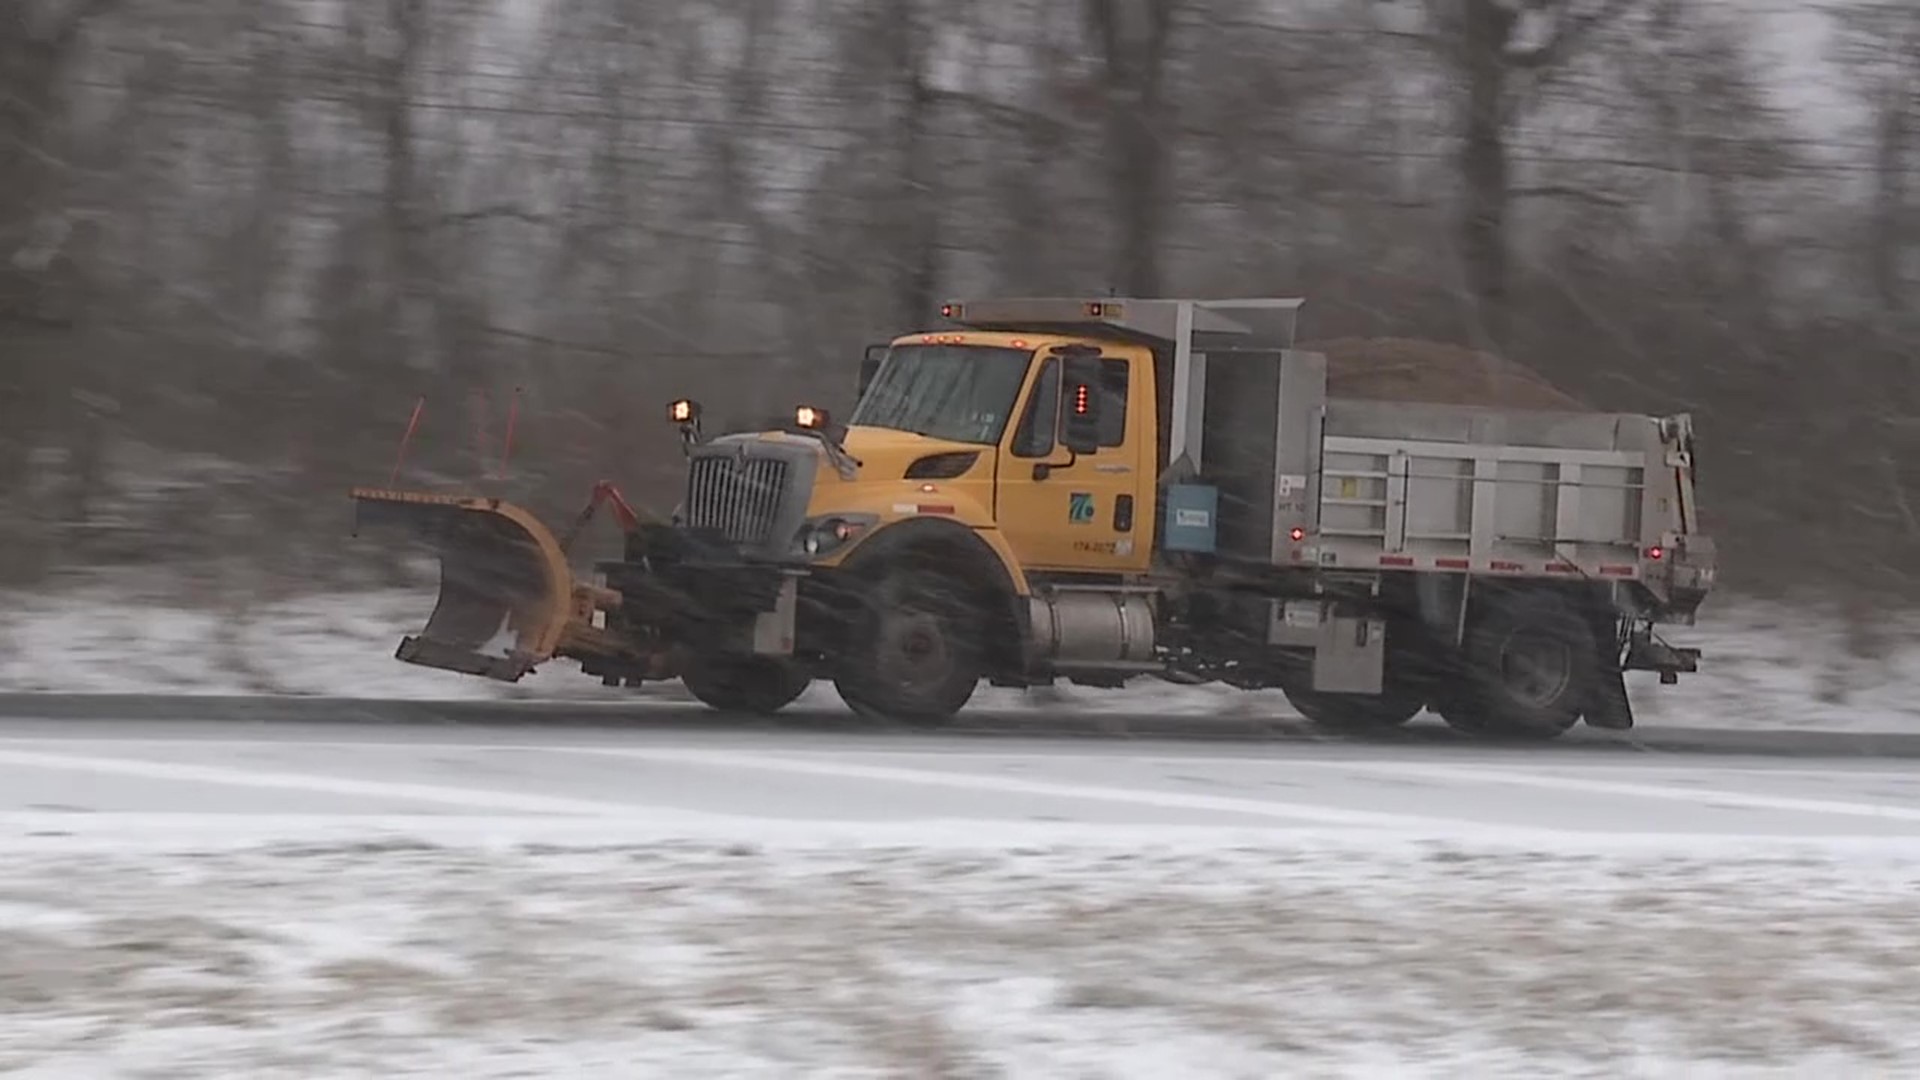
{"x":974,"y":426}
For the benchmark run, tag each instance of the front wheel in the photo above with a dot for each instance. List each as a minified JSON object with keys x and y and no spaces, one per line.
{"x":760,"y":685}
{"x":915,"y":648}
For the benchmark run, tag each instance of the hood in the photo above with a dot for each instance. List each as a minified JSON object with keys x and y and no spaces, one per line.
{"x":886,"y":454}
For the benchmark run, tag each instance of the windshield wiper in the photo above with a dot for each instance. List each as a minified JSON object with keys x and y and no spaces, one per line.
{"x":843,"y":463}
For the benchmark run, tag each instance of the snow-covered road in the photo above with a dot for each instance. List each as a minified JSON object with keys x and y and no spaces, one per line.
{"x":102,"y":779}
{"x":336,"y":900}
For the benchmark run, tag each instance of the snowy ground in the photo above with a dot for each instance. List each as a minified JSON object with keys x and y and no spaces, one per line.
{"x":332,"y":902}
{"x":1765,"y":665}
{"x":698,"y":960}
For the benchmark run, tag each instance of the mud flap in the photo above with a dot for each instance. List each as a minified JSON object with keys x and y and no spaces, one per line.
{"x":506,"y":591}
{"x":1610,"y":710}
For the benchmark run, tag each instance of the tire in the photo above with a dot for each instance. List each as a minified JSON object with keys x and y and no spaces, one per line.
{"x":1355,"y":712}
{"x":1405,"y":682}
{"x":759,"y":685}
{"x":1531,"y":669}
{"x":915,"y":648}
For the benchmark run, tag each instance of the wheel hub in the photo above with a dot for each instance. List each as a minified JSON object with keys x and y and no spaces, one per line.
{"x":1536,"y":670}
{"x":915,"y":652}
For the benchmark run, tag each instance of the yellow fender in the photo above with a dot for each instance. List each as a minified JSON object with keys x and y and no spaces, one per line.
{"x":960,"y":508}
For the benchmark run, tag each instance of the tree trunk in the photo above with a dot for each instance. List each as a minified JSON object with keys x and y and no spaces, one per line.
{"x":38,"y":307}
{"x":1487,"y":29}
{"x":1134,"y":36}
{"x":1893,"y":144}
{"x":411,"y":310}
{"x":918,"y":257}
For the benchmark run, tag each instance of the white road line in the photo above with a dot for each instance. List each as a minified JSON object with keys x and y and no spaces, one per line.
{"x":1262,"y":755}
{"x":1467,"y":774}
{"x":471,"y":798}
{"x":1266,"y":808}
{"x":539,"y":804}
{"x":826,"y":765}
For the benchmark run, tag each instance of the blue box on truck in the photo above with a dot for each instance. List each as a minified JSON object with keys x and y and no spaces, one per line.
{"x":1192,"y":510}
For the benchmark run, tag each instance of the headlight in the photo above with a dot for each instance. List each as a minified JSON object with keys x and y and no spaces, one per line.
{"x":822,"y":536}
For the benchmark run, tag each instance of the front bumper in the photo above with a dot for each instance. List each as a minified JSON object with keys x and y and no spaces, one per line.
{"x":687,"y":589}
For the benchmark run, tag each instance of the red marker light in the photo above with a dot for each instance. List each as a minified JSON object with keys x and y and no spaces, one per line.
{"x":1656,"y":553}
{"x":946,"y":311}
{"x":1297,"y":534}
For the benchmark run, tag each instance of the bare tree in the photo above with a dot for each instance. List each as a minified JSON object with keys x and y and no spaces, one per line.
{"x":40,"y":284}
{"x":1134,"y":39}
{"x":1499,"y":53}
{"x":1879,"y":45}
{"x":290,"y":228}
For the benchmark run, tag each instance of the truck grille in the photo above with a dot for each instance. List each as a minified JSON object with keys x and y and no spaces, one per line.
{"x":738,"y":498}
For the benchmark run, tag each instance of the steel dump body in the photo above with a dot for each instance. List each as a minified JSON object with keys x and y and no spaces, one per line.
{"x":1411,"y":486}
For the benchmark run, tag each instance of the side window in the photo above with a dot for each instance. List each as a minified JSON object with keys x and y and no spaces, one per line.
{"x":1114,"y":376}
{"x":1034,"y":438}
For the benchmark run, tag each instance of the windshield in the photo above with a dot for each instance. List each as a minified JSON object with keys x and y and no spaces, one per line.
{"x":961,"y":393}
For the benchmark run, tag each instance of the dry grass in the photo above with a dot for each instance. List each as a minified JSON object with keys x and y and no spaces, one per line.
{"x":923,"y":965}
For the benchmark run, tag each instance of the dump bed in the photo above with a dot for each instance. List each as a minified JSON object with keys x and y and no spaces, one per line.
{"x":1351,"y":484}
{"x":1499,"y":491}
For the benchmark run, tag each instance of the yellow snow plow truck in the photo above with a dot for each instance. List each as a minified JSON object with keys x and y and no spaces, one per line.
{"x":1104,"y":489}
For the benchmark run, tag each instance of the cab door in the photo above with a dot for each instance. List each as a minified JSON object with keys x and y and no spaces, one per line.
{"x":1059,"y":511}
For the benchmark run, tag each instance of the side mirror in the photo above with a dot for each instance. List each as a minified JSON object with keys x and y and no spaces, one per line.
{"x":870,"y":366}
{"x":1080,"y":402}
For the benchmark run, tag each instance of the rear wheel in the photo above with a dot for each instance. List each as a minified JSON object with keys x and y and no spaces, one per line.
{"x":1531,"y":669}
{"x":916,"y":648}
{"x":761,"y":685}
{"x":1355,"y":712}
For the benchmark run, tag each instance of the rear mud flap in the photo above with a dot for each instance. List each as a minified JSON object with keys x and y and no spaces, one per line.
{"x":1610,"y":710}
{"x":506,"y":592}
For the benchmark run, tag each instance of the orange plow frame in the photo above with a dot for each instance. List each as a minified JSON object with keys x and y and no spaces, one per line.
{"x":501,"y":572}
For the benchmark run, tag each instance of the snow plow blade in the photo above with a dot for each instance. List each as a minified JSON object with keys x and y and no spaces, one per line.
{"x":507,"y":602}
